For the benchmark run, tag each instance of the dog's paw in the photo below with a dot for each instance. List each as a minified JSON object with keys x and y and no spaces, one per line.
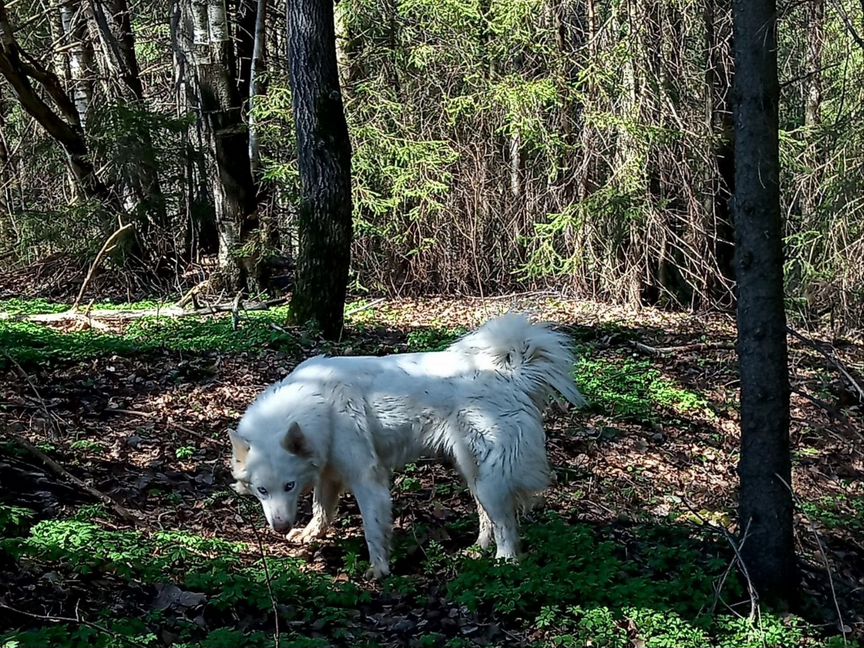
{"x":303,"y":536}
{"x":240,"y":488}
{"x":377,"y":573}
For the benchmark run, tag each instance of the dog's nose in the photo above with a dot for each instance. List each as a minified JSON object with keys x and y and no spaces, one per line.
{"x":280,"y":526}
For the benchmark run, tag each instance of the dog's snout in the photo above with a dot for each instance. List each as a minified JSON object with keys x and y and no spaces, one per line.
{"x":280,"y":524}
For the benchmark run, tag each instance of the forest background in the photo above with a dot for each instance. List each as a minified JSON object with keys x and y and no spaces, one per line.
{"x":497,"y":145}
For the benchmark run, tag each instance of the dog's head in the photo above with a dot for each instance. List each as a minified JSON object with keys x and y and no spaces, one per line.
{"x":277,"y":472}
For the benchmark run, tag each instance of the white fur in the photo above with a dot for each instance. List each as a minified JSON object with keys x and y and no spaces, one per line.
{"x":346,"y":423}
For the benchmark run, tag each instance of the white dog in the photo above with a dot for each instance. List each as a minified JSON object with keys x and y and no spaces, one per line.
{"x":344,"y":423}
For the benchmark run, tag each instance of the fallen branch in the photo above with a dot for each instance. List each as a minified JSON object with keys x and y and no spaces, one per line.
{"x":60,"y":471}
{"x":856,"y":387}
{"x":192,"y":294}
{"x":152,"y":415}
{"x":353,"y":311}
{"x":76,"y":619}
{"x":833,"y":413}
{"x":109,"y":245}
{"x":683,"y":348}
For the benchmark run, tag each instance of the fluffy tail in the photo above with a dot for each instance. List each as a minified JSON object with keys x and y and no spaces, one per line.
{"x":535,"y":358}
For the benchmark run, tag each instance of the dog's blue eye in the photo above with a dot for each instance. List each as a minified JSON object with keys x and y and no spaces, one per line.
{"x":262,"y":490}
{"x":289,"y":486}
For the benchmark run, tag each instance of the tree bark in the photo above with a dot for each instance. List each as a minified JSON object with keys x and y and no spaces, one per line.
{"x":81,"y":64}
{"x":221,"y":107}
{"x":324,"y":158}
{"x":256,"y":87}
{"x":140,"y":179}
{"x":765,"y":505}
{"x":244,"y":39}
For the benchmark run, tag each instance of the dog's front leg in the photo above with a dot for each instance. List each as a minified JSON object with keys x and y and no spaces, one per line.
{"x":373,"y":498}
{"x":484,"y":538}
{"x":325,"y":498}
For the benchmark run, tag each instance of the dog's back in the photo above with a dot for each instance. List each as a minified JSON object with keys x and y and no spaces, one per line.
{"x":534,"y":357}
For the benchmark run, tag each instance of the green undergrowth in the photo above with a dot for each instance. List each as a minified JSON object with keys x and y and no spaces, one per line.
{"x":232,"y":579}
{"x":634,"y":390}
{"x":30,"y":343}
{"x":838,"y":511}
{"x":433,"y":339}
{"x":579,"y":590}
{"x":651,"y":586}
{"x":16,"y":307}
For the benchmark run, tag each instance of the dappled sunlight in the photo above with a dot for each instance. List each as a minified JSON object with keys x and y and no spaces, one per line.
{"x":626,"y":546}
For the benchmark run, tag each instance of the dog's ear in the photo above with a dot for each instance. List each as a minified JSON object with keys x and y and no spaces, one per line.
{"x":295,"y":442}
{"x":239,"y":446}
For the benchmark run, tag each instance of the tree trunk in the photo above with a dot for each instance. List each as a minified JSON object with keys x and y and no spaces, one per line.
{"x":140,"y":179}
{"x":256,"y":86}
{"x":220,"y":104}
{"x":81,"y":63}
{"x":244,"y":40}
{"x":765,"y":466}
{"x":324,"y":158}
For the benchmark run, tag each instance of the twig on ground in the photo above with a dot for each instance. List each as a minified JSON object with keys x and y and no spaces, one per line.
{"x":53,"y":465}
{"x":281,"y":329}
{"x":107,"y":247}
{"x":856,"y":387}
{"x":51,"y":416}
{"x":267,"y":580}
{"x":841,"y":625}
{"x":516,"y":295}
{"x":360,"y":309}
{"x":168,"y":421}
{"x":736,"y":548}
{"x":682,"y":348}
{"x":832,"y":412}
{"x":76,"y":619}
{"x":62,"y":472}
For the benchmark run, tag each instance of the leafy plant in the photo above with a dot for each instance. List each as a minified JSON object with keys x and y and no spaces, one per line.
{"x":12,"y":518}
{"x":633,"y":390}
{"x":185,"y":452}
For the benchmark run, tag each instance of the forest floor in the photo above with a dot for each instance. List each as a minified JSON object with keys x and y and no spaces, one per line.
{"x":630,"y":548}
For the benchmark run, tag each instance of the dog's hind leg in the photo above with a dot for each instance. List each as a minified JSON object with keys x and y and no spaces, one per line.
{"x":325,"y":499}
{"x":373,"y":498}
{"x":498,"y":504}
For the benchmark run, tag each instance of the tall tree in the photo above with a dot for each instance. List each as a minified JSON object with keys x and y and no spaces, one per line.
{"x":765,"y":505}
{"x":221,"y":107}
{"x":111,"y":24}
{"x":324,"y":159}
